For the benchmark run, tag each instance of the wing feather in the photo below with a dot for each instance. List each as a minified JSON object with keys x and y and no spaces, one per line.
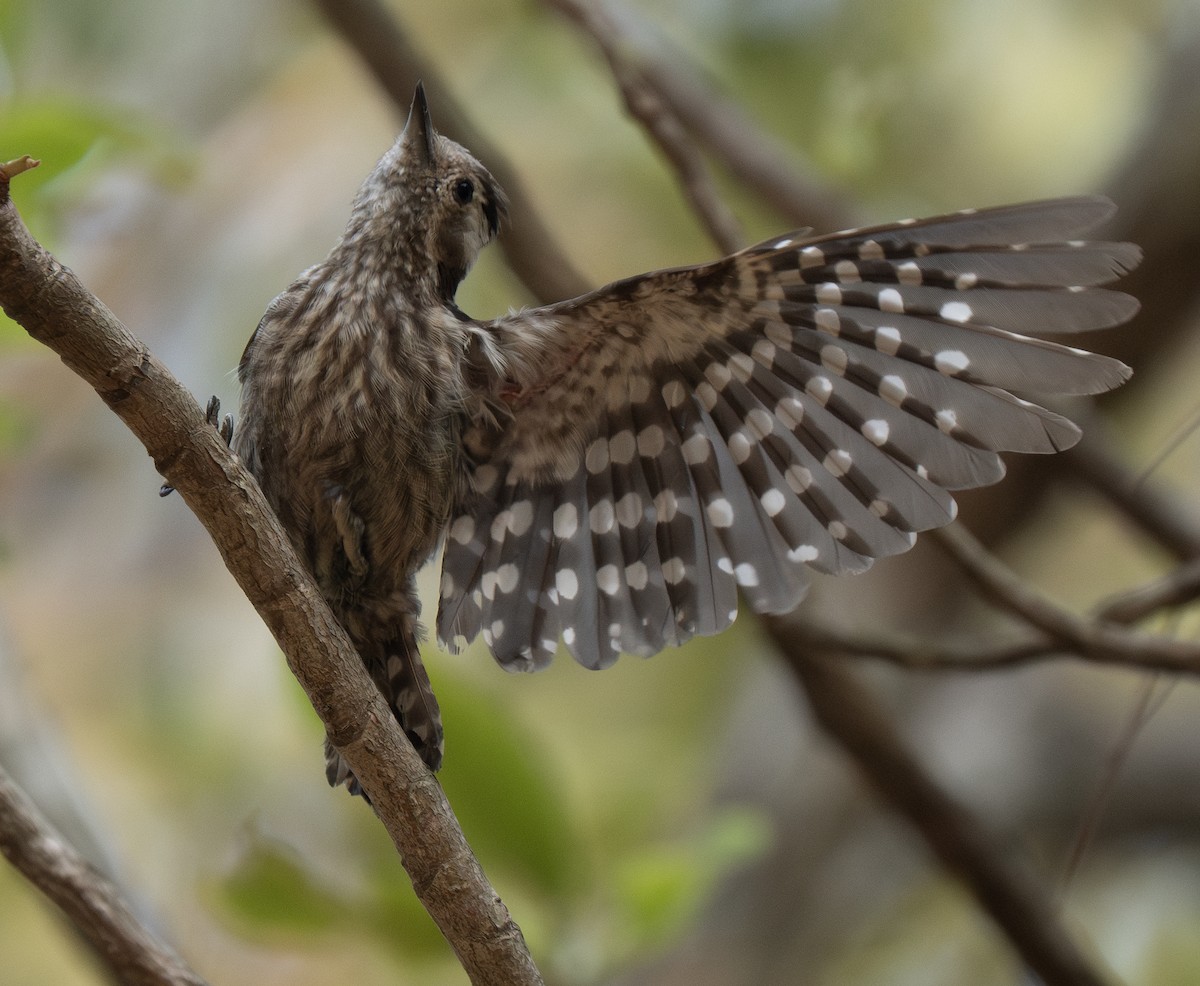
{"x":674,"y":438}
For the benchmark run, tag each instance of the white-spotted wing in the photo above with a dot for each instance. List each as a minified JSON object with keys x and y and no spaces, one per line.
{"x":808,"y":402}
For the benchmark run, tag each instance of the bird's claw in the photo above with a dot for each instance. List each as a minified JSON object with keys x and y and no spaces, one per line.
{"x":224,"y":427}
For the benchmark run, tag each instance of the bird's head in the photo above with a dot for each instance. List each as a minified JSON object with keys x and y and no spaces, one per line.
{"x":431,"y":202}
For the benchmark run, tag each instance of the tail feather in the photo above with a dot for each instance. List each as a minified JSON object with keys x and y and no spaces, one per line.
{"x":398,"y":672}
{"x":416,"y":706}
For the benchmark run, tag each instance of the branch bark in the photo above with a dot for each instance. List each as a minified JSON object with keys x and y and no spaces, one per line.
{"x":52,"y":305}
{"x":96,"y":908}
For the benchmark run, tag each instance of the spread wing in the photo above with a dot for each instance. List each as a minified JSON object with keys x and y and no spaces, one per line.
{"x":671,"y":439}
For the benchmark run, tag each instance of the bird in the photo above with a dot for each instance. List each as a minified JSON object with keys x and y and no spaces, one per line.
{"x":612,"y":473}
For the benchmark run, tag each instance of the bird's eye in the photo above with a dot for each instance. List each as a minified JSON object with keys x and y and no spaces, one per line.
{"x":464,"y":190}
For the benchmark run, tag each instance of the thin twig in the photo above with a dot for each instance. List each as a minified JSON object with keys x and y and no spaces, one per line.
{"x":1004,"y":889}
{"x":10,"y":169}
{"x":378,"y":39}
{"x":913,"y":654}
{"x":95,"y":907}
{"x":1140,"y":652}
{"x":56,"y":309}
{"x":1150,"y":700}
{"x":663,"y":127}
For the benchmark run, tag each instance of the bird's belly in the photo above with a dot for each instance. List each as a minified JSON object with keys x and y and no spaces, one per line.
{"x":401,"y":491}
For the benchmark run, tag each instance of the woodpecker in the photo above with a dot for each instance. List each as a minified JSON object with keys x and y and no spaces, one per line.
{"x":613,"y":471}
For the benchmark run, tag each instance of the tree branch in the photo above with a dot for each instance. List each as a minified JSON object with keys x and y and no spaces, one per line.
{"x":759,"y":161}
{"x":1099,"y":641}
{"x":660,"y":123}
{"x":95,"y":906}
{"x":1157,"y":512}
{"x":913,"y":654}
{"x":1017,"y":904}
{"x":54,"y":307}
{"x":1177,"y":588}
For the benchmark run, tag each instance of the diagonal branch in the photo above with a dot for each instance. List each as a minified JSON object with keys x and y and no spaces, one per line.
{"x":1099,"y":642}
{"x":95,"y":906}
{"x":660,"y":122}
{"x":914,"y":654}
{"x":1177,"y":588}
{"x":56,"y":309}
{"x":1004,"y":889}
{"x":1156,"y":511}
{"x":758,"y":160}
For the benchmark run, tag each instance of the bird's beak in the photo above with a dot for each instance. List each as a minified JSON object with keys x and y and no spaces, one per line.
{"x":418,"y":131}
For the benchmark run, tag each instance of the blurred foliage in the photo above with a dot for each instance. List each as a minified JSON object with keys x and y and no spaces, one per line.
{"x":16,"y":423}
{"x":505,"y":794}
{"x":661,"y":888}
{"x":600,"y":805}
{"x":272,"y":894}
{"x":77,"y":143}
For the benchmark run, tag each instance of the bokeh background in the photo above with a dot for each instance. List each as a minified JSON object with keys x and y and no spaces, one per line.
{"x":674,"y":820}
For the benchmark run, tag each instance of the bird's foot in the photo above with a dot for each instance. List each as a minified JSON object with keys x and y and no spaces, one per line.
{"x":224,"y":426}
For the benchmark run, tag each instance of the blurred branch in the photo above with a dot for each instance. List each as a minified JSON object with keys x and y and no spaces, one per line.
{"x":754,"y":157}
{"x":661,"y":124}
{"x":56,"y":309}
{"x":1017,"y":904}
{"x":377,"y":38}
{"x":95,"y":907}
{"x":1149,"y":702}
{"x":1177,"y":588}
{"x":916,"y":655}
{"x":1098,"y":641}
